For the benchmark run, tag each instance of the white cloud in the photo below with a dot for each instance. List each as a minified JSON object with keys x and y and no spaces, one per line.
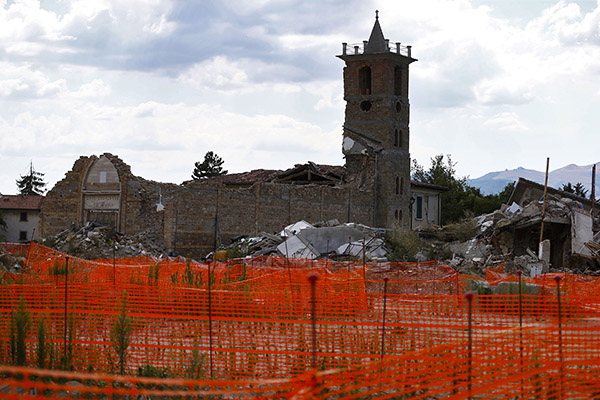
{"x":506,"y":121}
{"x":93,"y":90}
{"x":132,"y":132}
{"x":216,"y":73}
{"x":258,"y":83}
{"x":235,"y":76}
{"x":28,"y":30}
{"x":24,"y":82}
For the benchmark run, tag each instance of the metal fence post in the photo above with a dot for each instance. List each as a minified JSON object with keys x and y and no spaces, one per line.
{"x":560,"y":344}
{"x":520,"y":273}
{"x":312,"y":278}
{"x":66,"y":302}
{"x":469,"y":297}
{"x":385,"y":283}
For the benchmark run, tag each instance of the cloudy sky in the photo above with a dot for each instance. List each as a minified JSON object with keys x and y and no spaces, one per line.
{"x":499,"y":84}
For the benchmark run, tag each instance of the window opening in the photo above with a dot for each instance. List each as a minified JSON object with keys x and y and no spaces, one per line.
{"x":364,"y":80}
{"x":398,"y":215}
{"x":398,"y":81}
{"x":365,"y":105}
{"x":23,"y":217}
{"x":419,"y":207}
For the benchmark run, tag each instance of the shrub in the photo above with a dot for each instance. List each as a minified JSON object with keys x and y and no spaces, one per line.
{"x":120,"y":334}
{"x":20,"y":321}
{"x":403,"y":244}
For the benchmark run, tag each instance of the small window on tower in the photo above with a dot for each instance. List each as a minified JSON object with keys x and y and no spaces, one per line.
{"x":401,"y":185}
{"x":396,"y":144}
{"x":398,"y":215}
{"x":102,"y":176}
{"x":397,"y":185}
{"x":398,"y":107}
{"x":365,"y":105}
{"x":398,"y":81}
{"x":364,"y":80}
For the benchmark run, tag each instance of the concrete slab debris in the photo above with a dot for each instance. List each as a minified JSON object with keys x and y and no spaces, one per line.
{"x":329,"y":238}
{"x":293,"y":229}
{"x":295,"y":247}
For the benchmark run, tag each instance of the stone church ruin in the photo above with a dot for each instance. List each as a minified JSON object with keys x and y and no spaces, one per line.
{"x":372,"y":188}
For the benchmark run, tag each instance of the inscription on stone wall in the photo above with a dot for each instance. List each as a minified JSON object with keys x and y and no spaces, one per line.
{"x":101,"y":202}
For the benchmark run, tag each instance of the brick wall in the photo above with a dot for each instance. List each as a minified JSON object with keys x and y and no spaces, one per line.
{"x":187,"y":224}
{"x":264,"y":207}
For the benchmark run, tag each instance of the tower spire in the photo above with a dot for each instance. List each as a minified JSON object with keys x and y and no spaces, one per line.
{"x":376,"y":43}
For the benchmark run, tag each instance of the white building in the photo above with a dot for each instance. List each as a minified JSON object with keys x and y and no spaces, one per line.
{"x":22,"y":216}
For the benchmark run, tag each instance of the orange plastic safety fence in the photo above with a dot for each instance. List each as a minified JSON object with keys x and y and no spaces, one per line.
{"x":242,"y":321}
{"x":516,"y":363}
{"x":253,"y":334}
{"x":14,"y":248}
{"x":47,"y":266}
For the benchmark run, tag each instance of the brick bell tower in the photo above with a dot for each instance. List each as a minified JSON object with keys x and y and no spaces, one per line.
{"x":376,"y":134}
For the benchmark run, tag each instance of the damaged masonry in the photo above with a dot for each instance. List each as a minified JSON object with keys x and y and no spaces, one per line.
{"x":511,"y":235}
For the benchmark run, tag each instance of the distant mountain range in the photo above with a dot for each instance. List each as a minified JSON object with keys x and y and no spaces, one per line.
{"x":494,"y":182}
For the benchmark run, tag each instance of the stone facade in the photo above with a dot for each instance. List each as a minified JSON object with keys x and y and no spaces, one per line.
{"x":194,"y":218}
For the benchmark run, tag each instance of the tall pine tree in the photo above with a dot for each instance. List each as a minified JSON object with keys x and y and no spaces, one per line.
{"x":211,"y":166}
{"x":32,"y":182}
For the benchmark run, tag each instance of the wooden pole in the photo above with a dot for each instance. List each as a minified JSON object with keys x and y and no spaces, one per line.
{"x":593,"y":196}
{"x":544,"y":204}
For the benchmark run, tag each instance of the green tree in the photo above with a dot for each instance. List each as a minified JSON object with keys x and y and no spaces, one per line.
{"x":460,"y":198}
{"x":504,"y":195}
{"x":211,"y":166}
{"x":32,"y":182}
{"x":578,"y":189}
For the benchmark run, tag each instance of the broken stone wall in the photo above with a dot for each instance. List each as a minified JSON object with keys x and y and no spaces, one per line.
{"x":188,"y":222}
{"x":138,"y":197}
{"x":61,"y":206}
{"x":264,"y":207}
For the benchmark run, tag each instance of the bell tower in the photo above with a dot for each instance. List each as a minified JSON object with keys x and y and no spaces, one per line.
{"x":376,"y":134}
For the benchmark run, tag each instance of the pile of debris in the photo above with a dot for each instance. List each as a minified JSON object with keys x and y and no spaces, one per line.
{"x":323,"y":240}
{"x":11,"y":262}
{"x":511,"y":236}
{"x":93,"y":241}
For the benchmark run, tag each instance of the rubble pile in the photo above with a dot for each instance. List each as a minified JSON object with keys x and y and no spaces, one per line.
{"x":511,"y":234}
{"x":94,"y":241}
{"x":323,"y":240}
{"x":11,"y":262}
